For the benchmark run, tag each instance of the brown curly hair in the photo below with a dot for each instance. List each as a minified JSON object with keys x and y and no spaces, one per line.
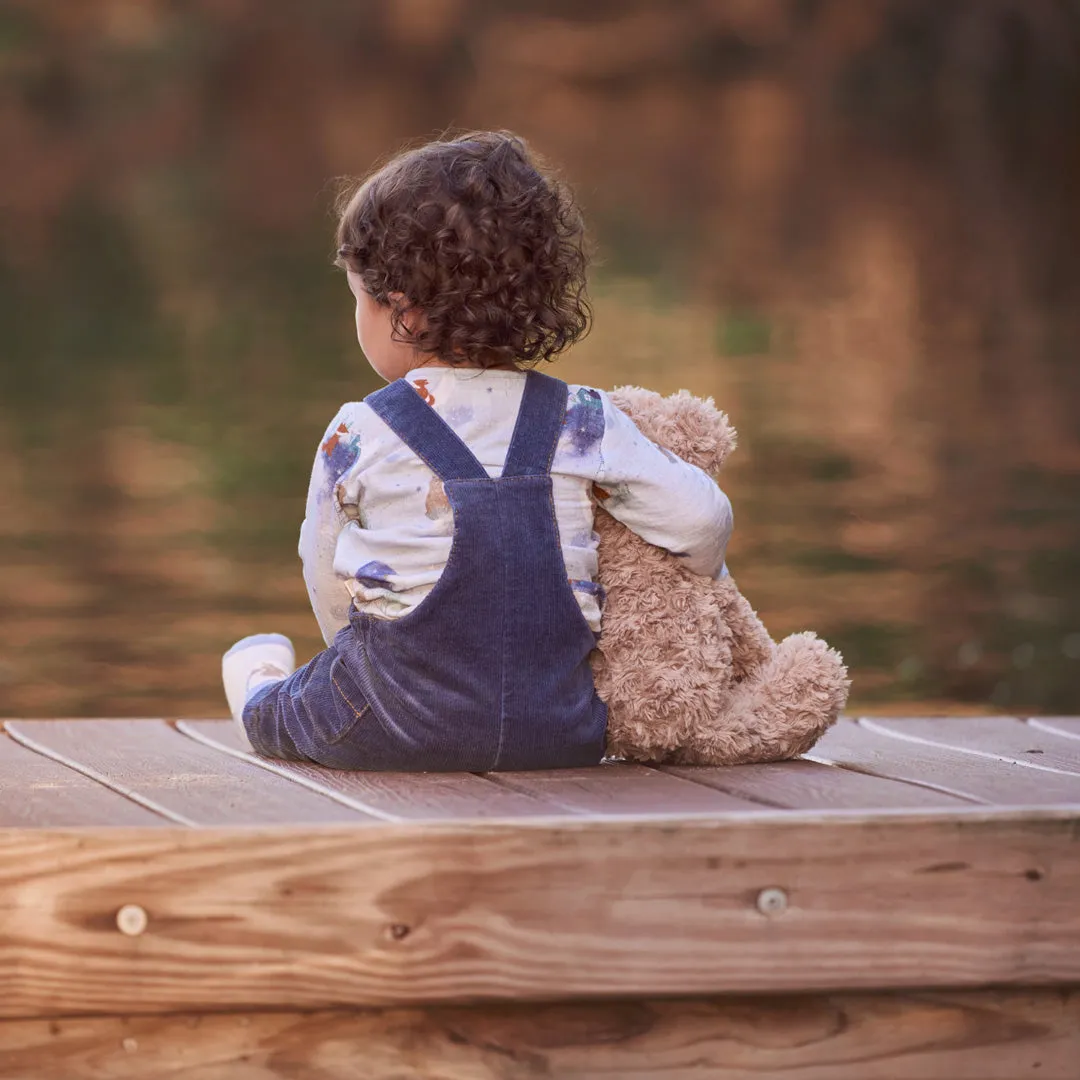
{"x":483,"y":243}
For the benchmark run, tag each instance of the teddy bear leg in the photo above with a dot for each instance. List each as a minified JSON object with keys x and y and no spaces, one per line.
{"x":780,"y":713}
{"x":751,"y":646}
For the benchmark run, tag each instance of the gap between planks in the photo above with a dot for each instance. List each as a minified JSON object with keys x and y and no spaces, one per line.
{"x":39,"y":791}
{"x":1004,"y":739}
{"x":391,"y":797}
{"x":896,"y":778}
{"x":105,"y":751}
{"x":1068,"y":727}
{"x":190,"y":784}
{"x":20,"y":737}
{"x":872,"y":748}
{"x":603,"y":791}
{"x":614,"y":790}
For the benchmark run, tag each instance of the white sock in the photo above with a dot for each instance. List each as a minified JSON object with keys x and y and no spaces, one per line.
{"x":251,"y":662}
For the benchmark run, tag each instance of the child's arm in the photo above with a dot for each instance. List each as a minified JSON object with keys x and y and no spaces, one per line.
{"x":662,"y":498}
{"x":324,"y":519}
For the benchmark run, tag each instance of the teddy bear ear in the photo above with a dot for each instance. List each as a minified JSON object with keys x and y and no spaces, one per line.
{"x":692,"y":427}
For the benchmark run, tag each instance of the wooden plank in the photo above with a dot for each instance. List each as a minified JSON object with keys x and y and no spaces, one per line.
{"x":1066,"y":726}
{"x":391,"y":796}
{"x":989,"y":1035}
{"x":622,"y":789}
{"x":853,"y":745}
{"x":157,"y":767}
{"x":1003,"y":738}
{"x":299,"y":919}
{"x":810,"y":785}
{"x":36,"y":791}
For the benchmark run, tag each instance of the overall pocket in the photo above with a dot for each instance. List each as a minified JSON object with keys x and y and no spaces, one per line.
{"x":348,"y":707}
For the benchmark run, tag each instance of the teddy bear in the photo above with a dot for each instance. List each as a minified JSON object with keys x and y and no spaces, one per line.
{"x":689,"y":673}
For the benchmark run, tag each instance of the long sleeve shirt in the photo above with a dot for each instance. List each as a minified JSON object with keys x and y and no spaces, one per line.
{"x":378,"y":525}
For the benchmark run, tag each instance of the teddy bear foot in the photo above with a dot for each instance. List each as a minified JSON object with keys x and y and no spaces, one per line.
{"x":780,"y":713}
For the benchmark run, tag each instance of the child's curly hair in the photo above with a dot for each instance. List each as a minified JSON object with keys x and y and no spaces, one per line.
{"x":482,"y":243}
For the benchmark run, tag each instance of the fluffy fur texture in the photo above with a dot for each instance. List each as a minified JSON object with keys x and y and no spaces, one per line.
{"x":688,"y":671}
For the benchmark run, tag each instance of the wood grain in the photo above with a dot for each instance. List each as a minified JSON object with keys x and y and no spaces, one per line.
{"x":37,"y":791}
{"x":1002,"y":738}
{"x":391,"y":796}
{"x":956,"y":772}
{"x":403,"y":914}
{"x":157,"y":767}
{"x":622,"y":789}
{"x":810,"y":785}
{"x":989,"y":1036}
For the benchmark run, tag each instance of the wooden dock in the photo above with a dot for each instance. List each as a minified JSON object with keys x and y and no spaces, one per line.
{"x":903,"y":903}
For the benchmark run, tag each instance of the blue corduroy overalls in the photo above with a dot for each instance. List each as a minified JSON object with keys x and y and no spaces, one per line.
{"x":491,"y":670}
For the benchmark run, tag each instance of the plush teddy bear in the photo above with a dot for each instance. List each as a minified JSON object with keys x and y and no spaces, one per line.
{"x":688,"y":671}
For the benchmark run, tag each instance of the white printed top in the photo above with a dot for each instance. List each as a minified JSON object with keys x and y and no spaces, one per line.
{"x":378,"y":525}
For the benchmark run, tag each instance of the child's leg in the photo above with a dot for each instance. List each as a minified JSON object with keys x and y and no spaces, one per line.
{"x":295,"y":715}
{"x":253,"y":663}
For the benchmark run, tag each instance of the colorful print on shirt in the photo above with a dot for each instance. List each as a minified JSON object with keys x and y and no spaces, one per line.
{"x":437,"y":505}
{"x":340,"y":451}
{"x":375,"y":574}
{"x":421,"y":386}
{"x":585,"y":420}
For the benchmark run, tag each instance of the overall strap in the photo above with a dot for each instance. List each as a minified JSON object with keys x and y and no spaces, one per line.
{"x":539,"y":425}
{"x":425,"y":433}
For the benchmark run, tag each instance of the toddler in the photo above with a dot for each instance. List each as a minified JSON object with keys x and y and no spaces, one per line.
{"x":448,"y":545}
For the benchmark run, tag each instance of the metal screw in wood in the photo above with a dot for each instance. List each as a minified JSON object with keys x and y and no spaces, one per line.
{"x":772,"y":901}
{"x":131,"y":919}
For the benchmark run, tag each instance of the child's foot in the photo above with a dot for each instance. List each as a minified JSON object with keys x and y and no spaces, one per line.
{"x":251,"y":662}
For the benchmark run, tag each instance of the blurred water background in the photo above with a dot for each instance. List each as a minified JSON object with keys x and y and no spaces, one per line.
{"x":853,"y":222}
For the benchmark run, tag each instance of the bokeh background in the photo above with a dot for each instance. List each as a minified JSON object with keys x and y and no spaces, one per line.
{"x":856,"y":223}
